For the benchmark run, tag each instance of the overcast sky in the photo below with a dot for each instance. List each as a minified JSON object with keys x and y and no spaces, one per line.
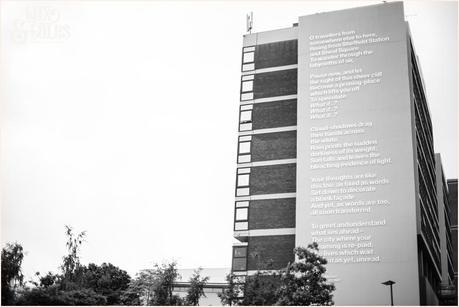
{"x":120,"y":118}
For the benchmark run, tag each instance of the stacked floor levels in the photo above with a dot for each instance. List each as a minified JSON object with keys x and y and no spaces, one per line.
{"x":335,"y":146}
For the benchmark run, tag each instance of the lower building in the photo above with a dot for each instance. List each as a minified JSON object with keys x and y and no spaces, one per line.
{"x":214,"y":286}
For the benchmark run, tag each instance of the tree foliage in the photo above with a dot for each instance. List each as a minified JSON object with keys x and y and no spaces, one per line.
{"x":105,"y":284}
{"x":232,"y":295}
{"x":166,"y":275}
{"x":196,"y":290}
{"x":12,"y":277}
{"x":303,"y":282}
{"x":71,"y":267}
{"x":261,"y":289}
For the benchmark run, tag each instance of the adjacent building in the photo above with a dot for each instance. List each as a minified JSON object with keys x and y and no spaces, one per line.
{"x":335,"y":146}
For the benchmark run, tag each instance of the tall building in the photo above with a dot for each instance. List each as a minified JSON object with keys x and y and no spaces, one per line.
{"x":335,"y":147}
{"x":452,"y":189}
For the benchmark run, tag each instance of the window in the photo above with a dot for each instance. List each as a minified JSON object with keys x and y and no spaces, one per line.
{"x":247,"y":96}
{"x":244,"y":147}
{"x":242,"y":192}
{"x":239,"y":264}
{"x":239,"y":258}
{"x":244,"y":155}
{"x":242,"y":214}
{"x":246,"y":116}
{"x":248,"y":57}
{"x":239,"y":226}
{"x":248,"y":67}
{"x":247,"y":86}
{"x":243,"y":180}
{"x":244,"y":159}
{"x":240,"y":252}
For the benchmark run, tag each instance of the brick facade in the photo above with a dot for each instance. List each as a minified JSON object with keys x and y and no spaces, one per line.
{"x":273,"y":179}
{"x":270,"y":252}
{"x":274,"y":146}
{"x":272,"y":213}
{"x":274,"y":114}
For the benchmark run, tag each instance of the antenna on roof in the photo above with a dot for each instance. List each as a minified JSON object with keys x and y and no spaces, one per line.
{"x":249,"y":22}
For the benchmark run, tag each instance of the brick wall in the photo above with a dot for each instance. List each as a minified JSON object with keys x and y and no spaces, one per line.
{"x":272,"y":213}
{"x":275,"y":83}
{"x":273,"y":146}
{"x":276,"y":54}
{"x":274,"y":114}
{"x":270,"y":252}
{"x":273,"y":179}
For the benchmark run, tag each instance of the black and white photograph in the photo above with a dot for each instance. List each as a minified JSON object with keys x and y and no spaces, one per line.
{"x":219,"y":153}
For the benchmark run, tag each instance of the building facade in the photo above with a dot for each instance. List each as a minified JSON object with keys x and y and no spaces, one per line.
{"x":335,"y":146}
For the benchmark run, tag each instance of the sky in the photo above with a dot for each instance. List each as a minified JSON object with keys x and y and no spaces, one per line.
{"x":120,"y":118}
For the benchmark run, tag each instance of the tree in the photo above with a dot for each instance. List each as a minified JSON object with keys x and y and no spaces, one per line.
{"x":261,"y":289}
{"x":196,"y":290}
{"x":140,"y":290}
{"x":12,"y":277}
{"x":232,"y":295}
{"x":107,"y":280}
{"x":52,"y":296}
{"x":165,"y":275}
{"x":153,"y":287}
{"x":71,"y":267}
{"x":303,"y":283}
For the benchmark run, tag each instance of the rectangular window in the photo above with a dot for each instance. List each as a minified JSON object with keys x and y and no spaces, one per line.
{"x":239,"y":264}
{"x":242,"y":214}
{"x":242,"y":192}
{"x":247,"y":96}
{"x":245,"y":127}
{"x":243,"y":170}
{"x":247,"y":107}
{"x":248,"y":67}
{"x":248,"y":77}
{"x":249,"y":49}
{"x":244,"y":147}
{"x":242,"y":204}
{"x":247,"y":86}
{"x":249,"y":57}
{"x":246,"y":116}
{"x":241,"y":226}
{"x":245,"y":138}
{"x":244,"y":158}
{"x":243,"y":180}
{"x":240,"y":252}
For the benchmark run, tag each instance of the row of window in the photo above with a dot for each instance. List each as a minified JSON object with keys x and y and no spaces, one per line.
{"x":248,"y":58}
{"x":243,"y":182}
{"x":244,"y":149}
{"x":248,"y":64}
{"x":241,"y":215}
{"x":247,"y":87}
{"x":245,"y":117}
{"x":239,"y":258}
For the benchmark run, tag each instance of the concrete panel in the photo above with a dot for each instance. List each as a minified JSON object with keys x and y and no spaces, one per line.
{"x":356,"y":192}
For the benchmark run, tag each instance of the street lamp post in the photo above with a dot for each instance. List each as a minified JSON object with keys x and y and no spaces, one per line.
{"x":390,"y":283}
